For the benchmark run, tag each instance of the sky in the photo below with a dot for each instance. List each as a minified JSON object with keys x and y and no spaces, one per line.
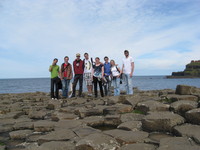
{"x":162,"y":36}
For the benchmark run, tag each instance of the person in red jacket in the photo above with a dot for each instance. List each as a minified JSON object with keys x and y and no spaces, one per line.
{"x":78,"y":71}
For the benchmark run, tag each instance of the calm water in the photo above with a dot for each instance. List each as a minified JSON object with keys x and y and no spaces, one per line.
{"x":142,"y":82}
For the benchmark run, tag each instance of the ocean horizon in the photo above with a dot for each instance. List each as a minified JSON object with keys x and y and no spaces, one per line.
{"x":25,"y":85}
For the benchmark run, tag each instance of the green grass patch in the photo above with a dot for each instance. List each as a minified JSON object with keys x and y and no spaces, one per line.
{"x":2,"y":144}
{"x":138,"y":112}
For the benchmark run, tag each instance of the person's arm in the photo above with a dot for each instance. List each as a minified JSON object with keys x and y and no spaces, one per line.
{"x":122,"y":68}
{"x":132,"y":69}
{"x":74,"y":66}
{"x":92,"y":73}
{"x":50,"y":68}
{"x":60,"y":73}
{"x":102,"y":70}
{"x":120,"y":72}
{"x":71,"y":73}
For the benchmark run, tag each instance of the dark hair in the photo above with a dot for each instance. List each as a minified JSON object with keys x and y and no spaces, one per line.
{"x":126,"y":51}
{"x":55,"y":59}
{"x":86,"y":54}
{"x":97,"y":58}
{"x":66,"y":57}
{"x":105,"y":57}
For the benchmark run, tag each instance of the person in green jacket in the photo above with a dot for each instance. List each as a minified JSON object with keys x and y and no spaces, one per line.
{"x":54,"y":69}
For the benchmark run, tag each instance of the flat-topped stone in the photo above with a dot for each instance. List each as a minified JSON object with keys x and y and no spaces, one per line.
{"x":152,"y":106}
{"x":20,"y":134}
{"x":177,"y":143}
{"x":131,"y":117}
{"x":23,"y":125}
{"x":54,"y":145}
{"x":97,"y":141}
{"x":138,"y":146}
{"x":182,"y":106}
{"x":131,"y":126}
{"x":161,"y":121}
{"x":175,"y":97}
{"x":58,"y":135}
{"x":193,"y":116}
{"x":44,"y":126}
{"x":188,"y":130}
{"x":127,"y":137}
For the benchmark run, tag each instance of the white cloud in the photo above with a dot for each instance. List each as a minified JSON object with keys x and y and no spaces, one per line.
{"x":151,"y":30}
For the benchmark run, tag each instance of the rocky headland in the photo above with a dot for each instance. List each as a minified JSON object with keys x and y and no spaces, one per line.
{"x":192,"y":70}
{"x":148,"y":120}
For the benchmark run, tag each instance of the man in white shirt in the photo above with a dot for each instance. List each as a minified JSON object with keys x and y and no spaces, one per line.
{"x":128,"y":69}
{"x":88,"y":64}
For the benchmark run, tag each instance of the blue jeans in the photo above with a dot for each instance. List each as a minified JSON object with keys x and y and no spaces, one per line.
{"x":107,"y":87}
{"x":128,"y":84}
{"x":116,"y":83}
{"x":65,"y":87}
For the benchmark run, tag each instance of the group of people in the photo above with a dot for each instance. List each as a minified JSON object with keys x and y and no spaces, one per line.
{"x":94,"y":73}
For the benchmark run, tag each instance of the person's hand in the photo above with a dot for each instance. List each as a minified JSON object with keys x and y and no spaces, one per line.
{"x":131,"y":74}
{"x":54,"y":63}
{"x":118,"y":76}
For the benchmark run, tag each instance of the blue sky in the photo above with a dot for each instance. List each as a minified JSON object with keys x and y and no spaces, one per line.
{"x":162,"y":36}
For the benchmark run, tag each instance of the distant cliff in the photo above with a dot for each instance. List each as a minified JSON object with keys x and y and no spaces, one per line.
{"x":192,"y":70}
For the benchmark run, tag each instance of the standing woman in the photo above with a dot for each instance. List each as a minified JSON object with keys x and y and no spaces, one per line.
{"x":98,"y":72}
{"x":116,"y":72}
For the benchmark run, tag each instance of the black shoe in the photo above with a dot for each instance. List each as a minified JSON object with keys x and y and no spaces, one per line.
{"x":72,"y":96}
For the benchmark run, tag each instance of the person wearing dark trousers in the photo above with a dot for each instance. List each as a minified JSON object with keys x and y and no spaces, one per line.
{"x":107,"y":77}
{"x":78,"y":71}
{"x":54,"y":69}
{"x":98,"y":72}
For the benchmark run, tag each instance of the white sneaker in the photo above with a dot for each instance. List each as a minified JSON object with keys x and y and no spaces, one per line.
{"x":52,"y":98}
{"x":55,"y":99}
{"x":90,"y":95}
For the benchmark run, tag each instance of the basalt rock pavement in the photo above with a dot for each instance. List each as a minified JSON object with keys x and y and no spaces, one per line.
{"x":147,"y":120}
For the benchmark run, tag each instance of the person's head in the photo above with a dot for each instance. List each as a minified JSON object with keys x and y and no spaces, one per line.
{"x":78,"y":56}
{"x":86,"y":56}
{"x":126,"y":53}
{"x":112,"y":63}
{"x":97,"y":60}
{"x":66,"y":59}
{"x":55,"y":60}
{"x":106,"y":59}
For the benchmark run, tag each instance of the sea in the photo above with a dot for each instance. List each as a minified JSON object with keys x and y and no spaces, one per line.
{"x":26,"y":85}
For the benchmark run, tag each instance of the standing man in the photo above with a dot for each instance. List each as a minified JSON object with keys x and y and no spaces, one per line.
{"x":54,"y":69}
{"x":66,"y":75}
{"x":78,"y":71}
{"x":88,"y":63}
{"x":128,"y":69}
{"x":107,"y":73}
